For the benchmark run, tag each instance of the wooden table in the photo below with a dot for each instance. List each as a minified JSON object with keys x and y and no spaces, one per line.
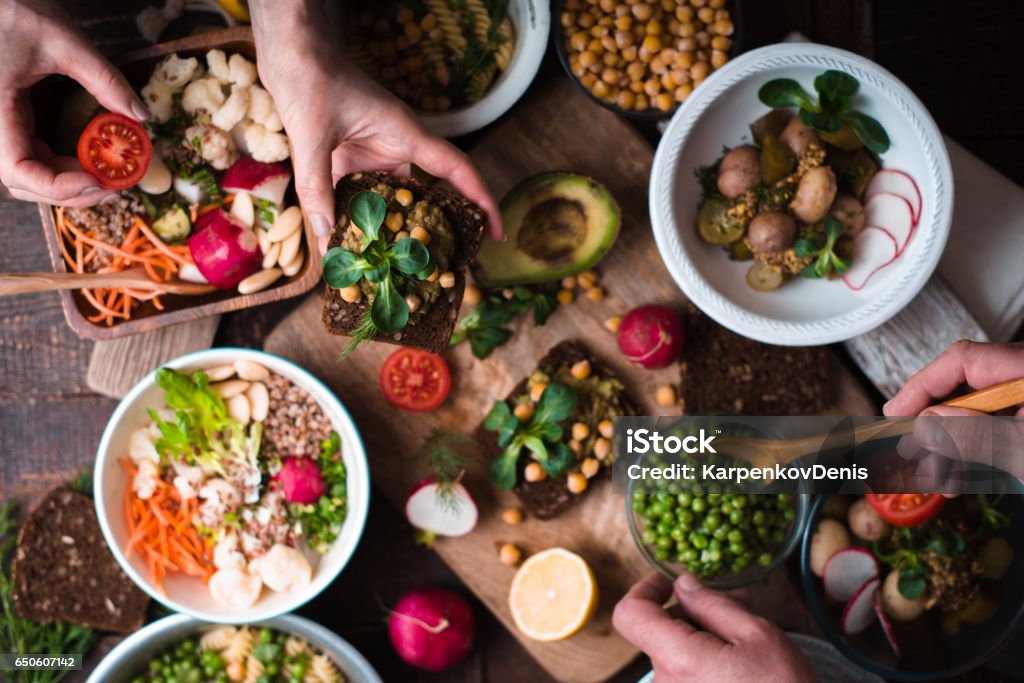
{"x":50,"y":423}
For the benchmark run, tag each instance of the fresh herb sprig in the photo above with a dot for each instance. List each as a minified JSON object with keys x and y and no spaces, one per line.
{"x":484,"y":327}
{"x":822,"y":248}
{"x":541,"y":436}
{"x":831,"y":110}
{"x":379,"y":262}
{"x":445,"y":453}
{"x":906,"y":551}
{"x":21,"y":636}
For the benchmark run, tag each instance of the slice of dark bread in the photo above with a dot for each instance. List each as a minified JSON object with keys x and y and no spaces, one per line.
{"x":549,"y":497}
{"x":63,"y":570}
{"x":723,"y":372}
{"x":434,"y":330}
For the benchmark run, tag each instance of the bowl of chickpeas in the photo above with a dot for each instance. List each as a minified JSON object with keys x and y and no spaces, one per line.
{"x":643,"y":58}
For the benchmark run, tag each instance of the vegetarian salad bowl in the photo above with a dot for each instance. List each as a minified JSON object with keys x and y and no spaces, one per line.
{"x":231,"y":485}
{"x":801,"y":196}
{"x":180,"y":639}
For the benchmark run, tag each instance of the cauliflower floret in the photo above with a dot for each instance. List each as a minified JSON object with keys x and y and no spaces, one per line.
{"x":242,"y":71}
{"x":203,"y":95}
{"x":187,"y":479}
{"x":235,"y":587}
{"x":144,"y":483}
{"x":159,"y":99}
{"x":214,"y":145}
{"x":219,"y":498}
{"x":140,"y":446}
{"x":233,"y":110}
{"x":217,"y":63}
{"x":226,"y":554}
{"x":282,"y":568}
{"x":175,"y":71}
{"x":266,"y":146}
{"x":238,"y":135}
{"x":262,"y":109}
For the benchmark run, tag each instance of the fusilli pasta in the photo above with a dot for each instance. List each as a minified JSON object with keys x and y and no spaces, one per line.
{"x":477,"y":85}
{"x":240,"y":646}
{"x":454,"y":40}
{"x":322,"y":670}
{"x":481,"y":19}
{"x":253,"y":669}
{"x":296,"y":646}
{"x":217,"y":638}
{"x":503,"y":53}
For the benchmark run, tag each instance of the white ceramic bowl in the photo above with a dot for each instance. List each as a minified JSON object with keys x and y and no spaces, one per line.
{"x":188,"y":594}
{"x":133,"y":653}
{"x":801,"y":312}
{"x":531,"y":20}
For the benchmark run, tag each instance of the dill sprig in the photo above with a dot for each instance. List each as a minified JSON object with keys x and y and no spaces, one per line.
{"x":445,"y":454}
{"x":366,"y":331}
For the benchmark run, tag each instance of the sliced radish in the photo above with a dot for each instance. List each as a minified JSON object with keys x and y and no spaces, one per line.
{"x":846,"y":571}
{"x":874,"y":249}
{"x":440,"y":513}
{"x":860,"y":611}
{"x":890,"y":635}
{"x":893,"y":213}
{"x":262,"y":181}
{"x":898,"y":183}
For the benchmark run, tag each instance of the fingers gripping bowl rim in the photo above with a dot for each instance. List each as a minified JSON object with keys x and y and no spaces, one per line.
{"x":805,"y":312}
{"x":187,"y":594}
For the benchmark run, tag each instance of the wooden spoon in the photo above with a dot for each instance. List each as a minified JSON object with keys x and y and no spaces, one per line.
{"x":769,"y":452}
{"x":133,"y":278}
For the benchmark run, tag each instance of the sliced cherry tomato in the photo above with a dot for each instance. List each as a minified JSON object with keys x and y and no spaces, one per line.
{"x":415,"y":380}
{"x":906,"y":509}
{"x":116,"y":150}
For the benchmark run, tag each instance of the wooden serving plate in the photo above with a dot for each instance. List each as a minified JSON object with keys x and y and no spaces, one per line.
{"x":137,"y":67}
{"x":554,"y":128}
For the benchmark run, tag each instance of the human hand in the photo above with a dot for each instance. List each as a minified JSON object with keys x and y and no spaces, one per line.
{"x":39,"y":40}
{"x":991,"y":442}
{"x":709,"y":636}
{"x":339,"y":121}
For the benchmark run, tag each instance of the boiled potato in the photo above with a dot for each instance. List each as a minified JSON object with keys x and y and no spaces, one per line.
{"x":771,"y":232}
{"x":798,"y":136}
{"x":850,"y":212}
{"x":829,"y":537}
{"x":739,"y":171}
{"x":814,"y":194}
{"x":893,"y":602}
{"x":865,"y":523}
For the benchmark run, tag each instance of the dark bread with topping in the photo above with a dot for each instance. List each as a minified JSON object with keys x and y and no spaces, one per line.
{"x":549,"y":497}
{"x":63,"y":571}
{"x":434,"y":330}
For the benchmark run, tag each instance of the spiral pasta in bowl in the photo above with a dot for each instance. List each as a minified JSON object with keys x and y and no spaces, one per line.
{"x":459,"y":63}
{"x":231,"y":485}
{"x":288,"y":648}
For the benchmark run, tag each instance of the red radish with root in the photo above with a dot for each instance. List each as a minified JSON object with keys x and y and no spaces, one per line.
{"x":432,"y":628}
{"x":846,"y":571}
{"x":860,"y":611}
{"x":875,"y":248}
{"x":440,"y":510}
{"x":225,"y":250}
{"x":898,"y":183}
{"x":263,"y":181}
{"x":300,"y":480}
{"x":651,"y":336}
{"x":893,"y":213}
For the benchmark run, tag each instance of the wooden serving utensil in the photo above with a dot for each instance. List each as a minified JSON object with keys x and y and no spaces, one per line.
{"x":761,"y":452}
{"x":133,"y":278}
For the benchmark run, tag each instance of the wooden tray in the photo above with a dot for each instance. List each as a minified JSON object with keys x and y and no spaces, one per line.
{"x":554,"y":128}
{"x":137,"y":67}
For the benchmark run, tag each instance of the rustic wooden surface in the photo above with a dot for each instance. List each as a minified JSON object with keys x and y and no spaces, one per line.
{"x":960,"y":56}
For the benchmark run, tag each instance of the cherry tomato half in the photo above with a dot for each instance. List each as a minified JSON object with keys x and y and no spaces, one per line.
{"x":415,"y":380}
{"x":906,"y":509}
{"x":116,"y":150}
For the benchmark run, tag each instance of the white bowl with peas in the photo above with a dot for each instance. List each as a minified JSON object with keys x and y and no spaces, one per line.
{"x":804,"y":311}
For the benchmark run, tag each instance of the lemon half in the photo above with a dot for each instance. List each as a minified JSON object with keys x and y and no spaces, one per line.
{"x":553,"y":595}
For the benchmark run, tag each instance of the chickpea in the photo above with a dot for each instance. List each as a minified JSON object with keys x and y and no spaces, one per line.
{"x":578,"y":41}
{"x":658,"y":65}
{"x":595,"y":293}
{"x":723,"y":27}
{"x":653,"y":28}
{"x":413,"y":302}
{"x":589,"y":80}
{"x":687,"y":29}
{"x":433,"y":275}
{"x":420,"y":234}
{"x":642,"y":102}
{"x":683,"y":91}
{"x":523,"y":411}
{"x":720,"y":43}
{"x":626,"y":100}
{"x":613,"y":323}
{"x":624,"y":22}
{"x":651,"y":44}
{"x":608,"y":5}
{"x":447,"y":280}
{"x":610,"y":76}
{"x":534,"y":472}
{"x":666,"y":395}
{"x":587,"y":58}
{"x":611,"y":60}
{"x":581,"y":370}
{"x":606,"y":428}
{"x":699,"y":71}
{"x":401,"y":235}
{"x":580,"y":431}
{"x":512,"y":516}
{"x":590,"y":467}
{"x":585,"y":20}
{"x":472,"y":295}
{"x":630,"y":54}
{"x":642,"y":11}
{"x":569,"y":282}
{"x":576,"y":482}
{"x":635,"y":71}
{"x":719,"y":58}
{"x":706,"y":15}
{"x":351,"y":294}
{"x":395,"y":221}
{"x":685,"y":13}
{"x":602,"y":448}
{"x":664,"y":102}
{"x":509,"y":554}
{"x":609,"y":44}
{"x":413,"y":33}
{"x":564,"y":296}
{"x":587,"y":279}
{"x":537,"y":390}
{"x":575,"y":446}
{"x":601,"y":89}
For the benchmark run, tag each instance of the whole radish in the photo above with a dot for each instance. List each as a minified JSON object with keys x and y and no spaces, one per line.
{"x":300,"y":480}
{"x":651,"y":336}
{"x":432,"y":628}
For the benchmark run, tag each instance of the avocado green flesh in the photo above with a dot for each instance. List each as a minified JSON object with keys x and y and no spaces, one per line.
{"x":555,"y":225}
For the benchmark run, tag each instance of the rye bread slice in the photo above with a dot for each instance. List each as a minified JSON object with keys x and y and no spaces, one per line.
{"x":723,"y":372}
{"x":63,"y":570}
{"x":434,"y":330}
{"x":549,"y":497}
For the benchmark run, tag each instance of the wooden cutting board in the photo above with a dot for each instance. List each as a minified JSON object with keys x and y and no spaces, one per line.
{"x":554,"y":128}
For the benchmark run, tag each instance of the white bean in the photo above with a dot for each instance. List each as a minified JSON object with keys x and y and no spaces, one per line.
{"x":271,"y":255}
{"x":259,"y":280}
{"x":231,"y":388}
{"x":259,"y":401}
{"x":264,"y":241}
{"x":296,"y":264}
{"x":289,"y":248}
{"x":286,"y":224}
{"x":219,"y":373}
{"x":251,"y":371}
{"x":239,"y":408}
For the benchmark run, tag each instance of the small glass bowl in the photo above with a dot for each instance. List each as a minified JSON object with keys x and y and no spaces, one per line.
{"x":751,"y":574}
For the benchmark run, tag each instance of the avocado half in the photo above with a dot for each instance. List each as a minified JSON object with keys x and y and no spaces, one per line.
{"x":556,"y":224}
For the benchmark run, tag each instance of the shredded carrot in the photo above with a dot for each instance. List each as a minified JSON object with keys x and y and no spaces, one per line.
{"x":140,"y":246}
{"x":163,"y":535}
